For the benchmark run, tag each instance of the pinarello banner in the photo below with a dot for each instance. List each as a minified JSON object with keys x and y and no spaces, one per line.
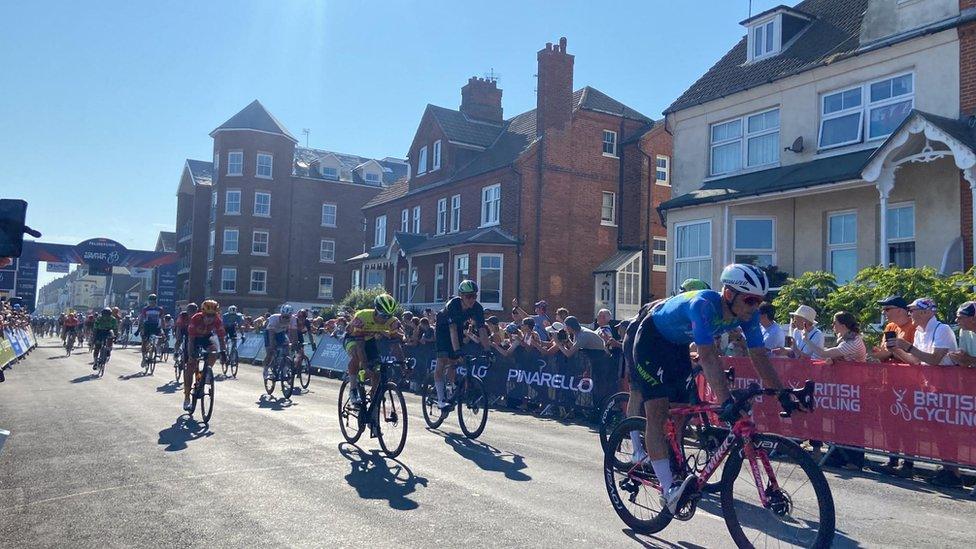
{"x":925,"y":411}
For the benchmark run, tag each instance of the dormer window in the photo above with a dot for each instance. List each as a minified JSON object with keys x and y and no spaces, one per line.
{"x":330,"y":172}
{"x":772,"y":31}
{"x":372,"y":178}
{"x":763,"y":39}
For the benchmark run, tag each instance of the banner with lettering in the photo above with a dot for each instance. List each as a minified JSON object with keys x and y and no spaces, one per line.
{"x":926,"y":411}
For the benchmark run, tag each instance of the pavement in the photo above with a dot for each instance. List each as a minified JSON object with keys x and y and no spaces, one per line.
{"x":112,"y":462}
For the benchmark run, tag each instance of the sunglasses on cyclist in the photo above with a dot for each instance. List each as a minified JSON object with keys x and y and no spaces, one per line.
{"x":469,"y":296}
{"x":752,"y":300}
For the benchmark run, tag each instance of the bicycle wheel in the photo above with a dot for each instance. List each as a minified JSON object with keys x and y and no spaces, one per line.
{"x":614,"y":411}
{"x":287,"y":377}
{"x":699,"y":440}
{"x":205,"y":395}
{"x":392,"y":420}
{"x":269,"y":382}
{"x":634,"y":493}
{"x":233,"y":361}
{"x":473,"y":408}
{"x":151,"y":364}
{"x":178,"y":367}
{"x":349,"y":422}
{"x":304,"y":372}
{"x":433,"y":415}
{"x":223,"y":368}
{"x":800,"y":507}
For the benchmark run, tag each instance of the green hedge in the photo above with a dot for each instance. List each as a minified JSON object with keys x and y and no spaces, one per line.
{"x":362,"y":298}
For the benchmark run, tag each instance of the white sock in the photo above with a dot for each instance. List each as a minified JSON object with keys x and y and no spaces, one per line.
{"x":635,"y":441}
{"x":439,"y":386}
{"x":662,"y":469}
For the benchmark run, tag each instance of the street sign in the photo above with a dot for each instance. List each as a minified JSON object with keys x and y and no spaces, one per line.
{"x":57,"y":267}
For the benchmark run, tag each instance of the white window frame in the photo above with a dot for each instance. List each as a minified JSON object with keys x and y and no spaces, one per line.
{"x":869,"y":105}
{"x":236,"y":240}
{"x":491,"y":205}
{"x":655,"y":253}
{"x":422,"y":160}
{"x":379,"y":231}
{"x":610,"y":139}
{"x":691,"y":259}
{"x":456,"y":260}
{"x":212,"y":248}
{"x":213,"y":207}
{"x":902,"y":239}
{"x":629,"y":284}
{"x":377,"y":180}
{"x":438,"y":282}
{"x":612,"y":222}
{"x":864,"y":109}
{"x":264,"y":281}
{"x":335,"y":214}
{"x":736,"y":250}
{"x":455,"y":213}
{"x":224,"y":279}
{"x":228,"y":202}
{"x":258,"y":165}
{"x":413,"y":280}
{"x":666,"y":182}
{"x":262,"y":193}
{"x":405,"y":220}
{"x":324,"y":253}
{"x":380,"y":273}
{"x":442,"y":216}
{"x":774,"y":23}
{"x":743,"y":139}
{"x":356,"y":282}
{"x":267,"y":242}
{"x":501,"y":281}
{"x":843,"y":246}
{"x":333,"y":176}
{"x":824,"y":118}
{"x":437,"y":156}
{"x":231,"y":164}
{"x":402,"y":285}
{"x":416,"y":219}
{"x":331,"y":285}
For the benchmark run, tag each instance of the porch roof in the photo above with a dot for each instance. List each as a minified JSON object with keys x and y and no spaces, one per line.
{"x":413,"y":243}
{"x":613,"y":263}
{"x":832,"y":169}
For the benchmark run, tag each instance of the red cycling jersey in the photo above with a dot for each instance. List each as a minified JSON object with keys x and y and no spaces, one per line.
{"x":199,"y":327}
{"x":181,"y":321}
{"x":71,"y":322}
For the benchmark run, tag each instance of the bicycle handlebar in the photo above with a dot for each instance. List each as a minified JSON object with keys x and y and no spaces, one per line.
{"x":804,"y":398}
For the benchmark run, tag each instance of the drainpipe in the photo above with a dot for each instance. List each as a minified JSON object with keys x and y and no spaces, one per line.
{"x":645,"y":249}
{"x":518,"y":233}
{"x":725,"y":237}
{"x":540,"y":164}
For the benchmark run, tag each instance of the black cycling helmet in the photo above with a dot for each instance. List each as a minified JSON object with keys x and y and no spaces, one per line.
{"x":152,"y":297}
{"x":467,"y":287}
{"x":106,"y":311}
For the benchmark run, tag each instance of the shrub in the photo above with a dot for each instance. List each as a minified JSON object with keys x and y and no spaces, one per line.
{"x":362,"y":298}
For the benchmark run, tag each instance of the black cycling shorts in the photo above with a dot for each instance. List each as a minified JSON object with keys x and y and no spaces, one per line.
{"x":661,"y":368}
{"x":443,"y":346}
{"x":148,"y":330}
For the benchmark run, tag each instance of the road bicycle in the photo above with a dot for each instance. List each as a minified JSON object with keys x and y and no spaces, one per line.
{"x":102,"y":351}
{"x":385,"y":413}
{"x":303,"y":366}
{"x":162,"y":343}
{"x":202,"y":392}
{"x":699,"y":435}
{"x":281,"y":370}
{"x":179,"y":360}
{"x":233,"y":358}
{"x":468,"y":396}
{"x":69,"y":343}
{"x":149,"y":357}
{"x":782,"y":495}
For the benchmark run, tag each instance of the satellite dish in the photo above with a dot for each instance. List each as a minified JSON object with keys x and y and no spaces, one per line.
{"x":797,"y":145}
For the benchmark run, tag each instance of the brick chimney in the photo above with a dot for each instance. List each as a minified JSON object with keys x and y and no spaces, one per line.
{"x":554,"y":94}
{"x":481,"y":99}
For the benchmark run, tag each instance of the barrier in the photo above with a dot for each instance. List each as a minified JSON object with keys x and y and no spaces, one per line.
{"x":14,"y":344}
{"x":924,"y":411}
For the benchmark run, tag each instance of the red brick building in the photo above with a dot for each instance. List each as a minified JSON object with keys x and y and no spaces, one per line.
{"x":967,"y":108}
{"x":555,"y":203}
{"x":268,"y":221}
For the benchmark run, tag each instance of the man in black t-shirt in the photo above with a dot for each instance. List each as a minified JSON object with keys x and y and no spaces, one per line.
{"x":449,"y":332}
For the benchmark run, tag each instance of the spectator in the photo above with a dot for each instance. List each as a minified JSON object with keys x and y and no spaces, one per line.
{"x":494,"y":330}
{"x":804,"y":321}
{"x":540,"y":317}
{"x":582,"y":338}
{"x":850,"y":344}
{"x":604,"y":319}
{"x":932,"y":342}
{"x":966,"y":318}
{"x":561,"y":314}
{"x":773,"y":335}
{"x":408,"y":328}
{"x":895,"y":310}
{"x":508,"y":345}
{"x":426,"y":332}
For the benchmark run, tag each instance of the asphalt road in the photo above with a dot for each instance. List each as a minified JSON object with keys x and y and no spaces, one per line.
{"x":109,"y":463}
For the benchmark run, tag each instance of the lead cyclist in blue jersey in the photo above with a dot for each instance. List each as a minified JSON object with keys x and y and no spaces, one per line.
{"x":660,"y":337}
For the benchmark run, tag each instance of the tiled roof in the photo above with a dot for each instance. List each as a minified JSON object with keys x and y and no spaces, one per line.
{"x":413,"y":243}
{"x":833,"y":34}
{"x":305,"y":157}
{"x":833,"y":169}
{"x":255,"y":117}
{"x":458,"y":127}
{"x":394,"y":191}
{"x":595,"y":100}
{"x":167,"y":240}
{"x":201,"y":171}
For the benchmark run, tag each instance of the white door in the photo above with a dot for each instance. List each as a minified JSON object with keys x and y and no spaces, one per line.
{"x":603,"y":290}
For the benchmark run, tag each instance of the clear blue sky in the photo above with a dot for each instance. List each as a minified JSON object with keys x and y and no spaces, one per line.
{"x":101,"y":102}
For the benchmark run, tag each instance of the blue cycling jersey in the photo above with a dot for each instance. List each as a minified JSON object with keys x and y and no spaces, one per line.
{"x":696,"y":316}
{"x":231,"y":320}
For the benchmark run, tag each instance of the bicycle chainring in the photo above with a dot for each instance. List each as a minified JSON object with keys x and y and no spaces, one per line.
{"x":780,"y":503}
{"x":688,"y":507}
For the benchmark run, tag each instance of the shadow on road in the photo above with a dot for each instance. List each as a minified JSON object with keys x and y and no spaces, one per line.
{"x":84,"y":378}
{"x":654,"y":542}
{"x":127,"y":377}
{"x":271,"y":403}
{"x":170,"y":387}
{"x":183,"y":430}
{"x":486,"y":456}
{"x":57,"y":357}
{"x":375,"y":476}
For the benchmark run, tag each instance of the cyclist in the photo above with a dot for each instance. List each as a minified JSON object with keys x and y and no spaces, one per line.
{"x":149,"y":321}
{"x":276,"y":334}
{"x":232,"y":319}
{"x":361,"y":334}
{"x":71,"y":322}
{"x":61,"y":330}
{"x":448,"y":333}
{"x":302,"y":329}
{"x":126,"y":325}
{"x":662,"y":362}
{"x":181,"y":324}
{"x":200,"y":330}
{"x":89,"y":327}
{"x":166,"y":328}
{"x":106,"y":326}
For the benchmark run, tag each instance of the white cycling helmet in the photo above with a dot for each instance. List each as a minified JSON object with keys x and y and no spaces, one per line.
{"x":745,"y":278}
{"x":286,"y":309}
{"x":232,"y":309}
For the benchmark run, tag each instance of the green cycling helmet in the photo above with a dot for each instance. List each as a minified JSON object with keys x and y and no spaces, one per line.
{"x":467,"y":287}
{"x":385,"y":304}
{"x":692,"y":284}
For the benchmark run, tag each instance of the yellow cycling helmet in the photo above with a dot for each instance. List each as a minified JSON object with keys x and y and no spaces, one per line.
{"x":209,"y":307}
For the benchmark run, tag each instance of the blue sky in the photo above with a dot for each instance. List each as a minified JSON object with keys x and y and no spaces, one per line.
{"x":101,"y":102}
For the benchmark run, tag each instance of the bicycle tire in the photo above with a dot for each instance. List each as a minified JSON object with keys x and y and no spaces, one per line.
{"x":151,"y":363}
{"x":178,"y":365}
{"x":305,"y":373}
{"x":392,"y":409}
{"x":349,"y":422}
{"x":223,"y":368}
{"x":614,"y":478}
{"x":614,"y":411}
{"x":287,"y":378}
{"x":780,"y":447}
{"x":473,"y":402}
{"x":699,"y":440}
{"x":206,"y":395}
{"x":433,"y":415}
{"x":269,"y":382}
{"x":233,"y":365}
